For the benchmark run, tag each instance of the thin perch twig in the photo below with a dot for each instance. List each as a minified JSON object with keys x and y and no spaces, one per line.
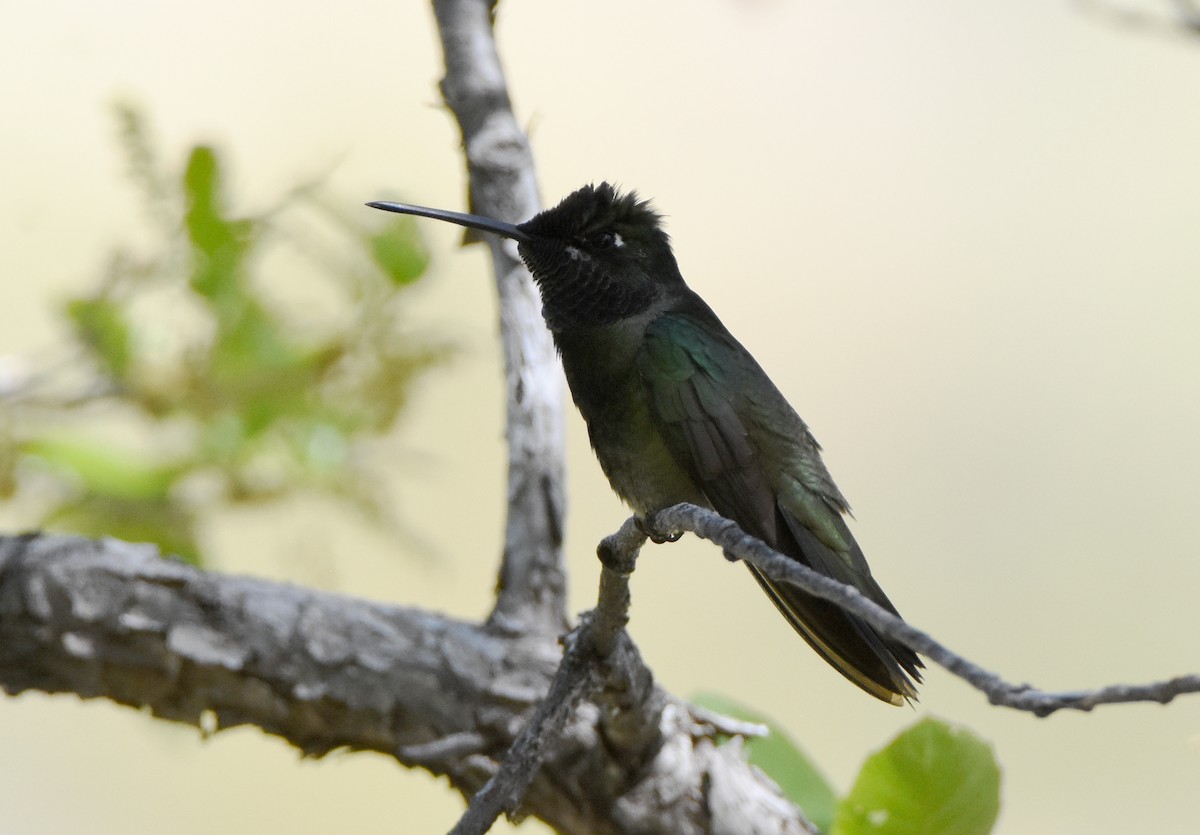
{"x":591,"y":643}
{"x":708,"y":525}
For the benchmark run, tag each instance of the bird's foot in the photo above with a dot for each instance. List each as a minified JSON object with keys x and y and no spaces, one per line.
{"x":658,"y":537}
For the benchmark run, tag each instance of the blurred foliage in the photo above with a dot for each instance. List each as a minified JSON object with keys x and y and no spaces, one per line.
{"x":932,"y":779}
{"x":224,"y":392}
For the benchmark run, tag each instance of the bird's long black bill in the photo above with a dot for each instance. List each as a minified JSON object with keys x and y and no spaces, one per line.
{"x":484,"y":224}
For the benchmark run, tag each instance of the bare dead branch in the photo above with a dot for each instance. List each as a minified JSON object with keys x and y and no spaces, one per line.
{"x":323,"y":671}
{"x":531,"y":589}
{"x":1185,"y":22}
{"x":506,"y":788}
{"x":588,"y":649}
{"x":105,"y":619}
{"x":708,"y":525}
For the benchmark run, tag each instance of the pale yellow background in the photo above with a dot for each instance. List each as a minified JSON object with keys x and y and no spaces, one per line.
{"x":964,"y":238}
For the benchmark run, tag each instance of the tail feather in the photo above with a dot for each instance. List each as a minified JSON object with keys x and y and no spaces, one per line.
{"x":887,"y":670}
{"x":863,"y":659}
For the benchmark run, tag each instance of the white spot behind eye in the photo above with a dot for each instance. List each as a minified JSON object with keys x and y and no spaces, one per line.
{"x":618,"y":241}
{"x":575,"y":253}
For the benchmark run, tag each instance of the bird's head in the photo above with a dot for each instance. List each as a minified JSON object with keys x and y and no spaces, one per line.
{"x":598,"y":257}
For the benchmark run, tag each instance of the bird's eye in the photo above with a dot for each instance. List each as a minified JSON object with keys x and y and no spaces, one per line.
{"x":606,"y":240}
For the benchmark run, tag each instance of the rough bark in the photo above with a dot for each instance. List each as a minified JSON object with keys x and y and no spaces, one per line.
{"x":531,"y":588}
{"x":324,"y":671}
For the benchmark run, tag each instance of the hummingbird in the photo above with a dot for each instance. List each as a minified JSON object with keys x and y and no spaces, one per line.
{"x":678,"y":411}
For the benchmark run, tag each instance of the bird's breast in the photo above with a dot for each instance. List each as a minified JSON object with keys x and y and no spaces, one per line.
{"x":600,"y":366}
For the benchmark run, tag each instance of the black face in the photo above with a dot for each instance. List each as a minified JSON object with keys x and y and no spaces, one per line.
{"x":598,"y":256}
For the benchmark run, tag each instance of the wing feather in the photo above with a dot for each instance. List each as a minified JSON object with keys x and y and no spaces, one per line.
{"x":753,"y":457}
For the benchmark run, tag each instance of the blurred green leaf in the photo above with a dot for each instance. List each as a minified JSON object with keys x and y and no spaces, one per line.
{"x":260,"y":396}
{"x":9,"y":456}
{"x":398,"y":250}
{"x":782,"y":760}
{"x":102,"y":326}
{"x":163,"y":523}
{"x":105,"y":470}
{"x":257,"y":372}
{"x":219,"y":243}
{"x":932,"y":779}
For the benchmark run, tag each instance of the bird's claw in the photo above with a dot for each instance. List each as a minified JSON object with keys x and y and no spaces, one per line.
{"x":656,"y":536}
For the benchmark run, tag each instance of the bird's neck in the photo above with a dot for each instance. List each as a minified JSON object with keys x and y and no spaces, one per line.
{"x":586,"y":303}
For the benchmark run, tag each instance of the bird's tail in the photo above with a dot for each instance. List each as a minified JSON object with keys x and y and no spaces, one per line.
{"x":884,"y":668}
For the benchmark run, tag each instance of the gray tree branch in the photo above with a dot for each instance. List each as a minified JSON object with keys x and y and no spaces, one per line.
{"x":600,"y":639}
{"x":106,"y":619}
{"x":596,"y":652}
{"x":1185,"y":21}
{"x":531,"y":589}
{"x":708,"y":525}
{"x":114,"y":620}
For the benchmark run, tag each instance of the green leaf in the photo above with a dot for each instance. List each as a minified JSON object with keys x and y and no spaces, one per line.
{"x":933,"y":779}
{"x":105,"y":470}
{"x":781,"y":760}
{"x":399,"y":252}
{"x":103,"y":328}
{"x":164,"y":523}
{"x":260,"y":374}
{"x":251,"y":402}
{"x":219,"y":243}
{"x":8,"y":466}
